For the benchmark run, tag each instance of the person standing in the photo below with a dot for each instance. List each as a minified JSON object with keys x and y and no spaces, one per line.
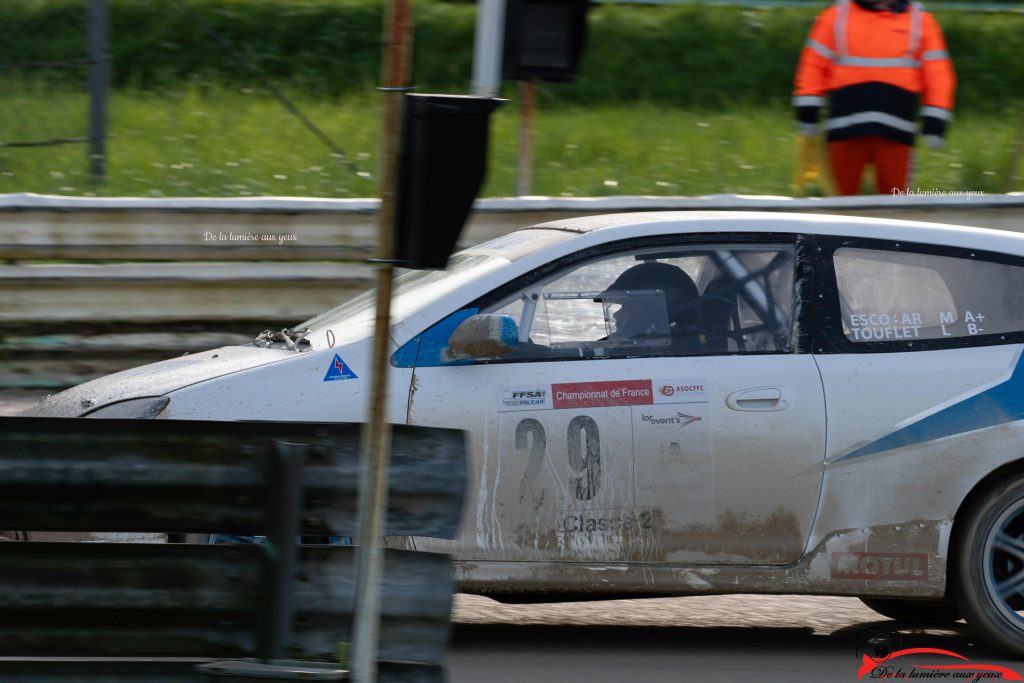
{"x":877,"y":64}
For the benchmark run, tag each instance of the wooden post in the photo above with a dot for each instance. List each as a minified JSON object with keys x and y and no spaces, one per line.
{"x":373,"y":478}
{"x":1015,"y":155}
{"x":524,"y":166}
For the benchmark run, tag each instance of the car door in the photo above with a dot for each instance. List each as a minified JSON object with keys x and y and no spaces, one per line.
{"x":920,"y":353}
{"x":690,"y":430}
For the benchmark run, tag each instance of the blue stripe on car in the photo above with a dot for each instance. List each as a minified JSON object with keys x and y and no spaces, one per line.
{"x":996,"y":405}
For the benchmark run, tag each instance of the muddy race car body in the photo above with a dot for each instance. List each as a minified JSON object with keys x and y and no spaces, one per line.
{"x":688,"y":403}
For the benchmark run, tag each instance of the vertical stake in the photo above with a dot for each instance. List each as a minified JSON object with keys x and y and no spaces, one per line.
{"x":285,"y":481}
{"x":99,"y":81}
{"x":1015,"y":155}
{"x":488,"y":44}
{"x":524,"y":164}
{"x":373,"y":474}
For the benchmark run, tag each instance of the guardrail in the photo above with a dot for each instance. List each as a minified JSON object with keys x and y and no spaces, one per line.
{"x":185,"y":612}
{"x":146,"y":279}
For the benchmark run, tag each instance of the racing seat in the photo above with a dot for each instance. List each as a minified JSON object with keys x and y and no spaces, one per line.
{"x":721,"y":315}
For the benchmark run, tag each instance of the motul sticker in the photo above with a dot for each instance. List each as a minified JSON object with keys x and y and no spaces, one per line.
{"x":880,"y":566}
{"x":626,"y":392}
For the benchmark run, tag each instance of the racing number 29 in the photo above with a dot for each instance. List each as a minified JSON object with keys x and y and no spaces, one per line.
{"x":583,"y":440}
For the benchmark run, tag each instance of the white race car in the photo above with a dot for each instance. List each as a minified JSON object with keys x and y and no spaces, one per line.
{"x":688,"y":403}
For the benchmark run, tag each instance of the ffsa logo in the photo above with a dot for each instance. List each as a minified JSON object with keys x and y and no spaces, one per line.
{"x":529,"y":394}
{"x":524,"y":398}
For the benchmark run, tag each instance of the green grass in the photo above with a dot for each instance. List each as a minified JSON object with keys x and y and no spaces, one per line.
{"x":215,"y":141}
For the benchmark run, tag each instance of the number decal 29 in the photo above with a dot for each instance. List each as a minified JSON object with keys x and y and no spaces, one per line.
{"x":537,"y":448}
{"x":583,"y":440}
{"x":583,"y":430}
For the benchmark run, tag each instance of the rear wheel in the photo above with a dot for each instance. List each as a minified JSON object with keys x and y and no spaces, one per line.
{"x":930,"y":612}
{"x":989,"y":567}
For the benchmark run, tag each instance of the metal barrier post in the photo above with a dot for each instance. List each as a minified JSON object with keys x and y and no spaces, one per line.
{"x":285,"y":509}
{"x":99,"y":80}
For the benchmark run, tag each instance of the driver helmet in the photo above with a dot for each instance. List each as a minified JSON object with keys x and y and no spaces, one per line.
{"x":679,"y":290}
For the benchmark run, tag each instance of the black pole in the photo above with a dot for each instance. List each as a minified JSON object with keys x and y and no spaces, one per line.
{"x":99,"y":79}
{"x":285,"y":507}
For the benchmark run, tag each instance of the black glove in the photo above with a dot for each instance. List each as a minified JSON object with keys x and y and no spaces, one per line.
{"x":807,"y":119}
{"x":934,"y":129}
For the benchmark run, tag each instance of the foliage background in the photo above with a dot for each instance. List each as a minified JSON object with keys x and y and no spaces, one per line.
{"x":680,"y":55}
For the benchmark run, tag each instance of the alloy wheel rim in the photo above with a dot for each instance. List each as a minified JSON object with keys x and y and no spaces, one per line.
{"x":1003,"y":558}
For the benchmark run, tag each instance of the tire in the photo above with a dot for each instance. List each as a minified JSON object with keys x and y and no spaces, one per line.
{"x":988,"y":569}
{"x":926,"y":612}
{"x":188,"y":538}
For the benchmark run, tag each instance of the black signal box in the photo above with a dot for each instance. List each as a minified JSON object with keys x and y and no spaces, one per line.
{"x":443,"y":162}
{"x":543,"y":39}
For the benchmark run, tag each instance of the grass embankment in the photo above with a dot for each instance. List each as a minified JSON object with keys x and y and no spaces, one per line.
{"x":670,"y":99}
{"x":231,"y":143}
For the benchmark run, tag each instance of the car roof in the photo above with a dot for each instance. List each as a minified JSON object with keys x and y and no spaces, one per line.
{"x":626,"y":225}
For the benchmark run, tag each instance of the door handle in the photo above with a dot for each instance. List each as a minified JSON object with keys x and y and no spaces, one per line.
{"x":759,"y":399}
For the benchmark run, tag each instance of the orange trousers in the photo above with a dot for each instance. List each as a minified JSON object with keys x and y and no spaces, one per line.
{"x":891,"y":160}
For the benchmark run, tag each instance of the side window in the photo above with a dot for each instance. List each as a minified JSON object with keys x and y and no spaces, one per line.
{"x":664,"y":301}
{"x":900,"y":296}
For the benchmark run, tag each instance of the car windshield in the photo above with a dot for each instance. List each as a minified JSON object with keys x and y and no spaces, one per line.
{"x":415,"y":288}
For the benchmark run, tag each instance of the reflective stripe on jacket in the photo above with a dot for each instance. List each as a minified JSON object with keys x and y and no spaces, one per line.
{"x":877,"y":68}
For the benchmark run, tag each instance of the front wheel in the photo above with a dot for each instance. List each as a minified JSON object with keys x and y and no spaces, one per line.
{"x":926,"y":612}
{"x":989,"y":567}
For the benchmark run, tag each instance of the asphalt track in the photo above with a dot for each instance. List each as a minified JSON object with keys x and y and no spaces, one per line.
{"x":712,"y":639}
{"x":715,"y":639}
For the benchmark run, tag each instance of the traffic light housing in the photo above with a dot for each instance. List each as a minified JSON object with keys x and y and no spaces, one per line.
{"x":442,"y":164}
{"x":543,"y":39}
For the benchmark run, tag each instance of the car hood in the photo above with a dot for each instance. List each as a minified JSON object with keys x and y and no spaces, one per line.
{"x":155,"y":379}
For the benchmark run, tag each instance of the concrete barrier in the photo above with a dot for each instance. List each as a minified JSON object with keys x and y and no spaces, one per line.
{"x":296,"y":229}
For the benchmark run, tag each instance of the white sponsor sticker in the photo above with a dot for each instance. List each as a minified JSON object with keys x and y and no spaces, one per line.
{"x":525,"y":398}
{"x":673,"y":465}
{"x":680,"y":390}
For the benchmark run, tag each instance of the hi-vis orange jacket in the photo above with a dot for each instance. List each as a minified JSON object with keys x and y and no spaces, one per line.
{"x":876,"y":66}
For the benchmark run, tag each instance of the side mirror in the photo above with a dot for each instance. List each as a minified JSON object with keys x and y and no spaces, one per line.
{"x":483,"y":336}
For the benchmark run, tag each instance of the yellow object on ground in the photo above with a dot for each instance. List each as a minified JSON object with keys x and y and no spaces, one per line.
{"x":811,"y":166}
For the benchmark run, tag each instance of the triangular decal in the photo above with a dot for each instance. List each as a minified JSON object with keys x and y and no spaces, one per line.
{"x":339,"y":369}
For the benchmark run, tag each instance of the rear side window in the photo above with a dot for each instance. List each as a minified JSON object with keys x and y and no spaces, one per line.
{"x":901,"y":296}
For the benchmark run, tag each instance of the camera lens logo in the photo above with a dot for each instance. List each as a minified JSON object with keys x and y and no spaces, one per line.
{"x":882,"y":656}
{"x":879,"y":649}
{"x":878,"y":643}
